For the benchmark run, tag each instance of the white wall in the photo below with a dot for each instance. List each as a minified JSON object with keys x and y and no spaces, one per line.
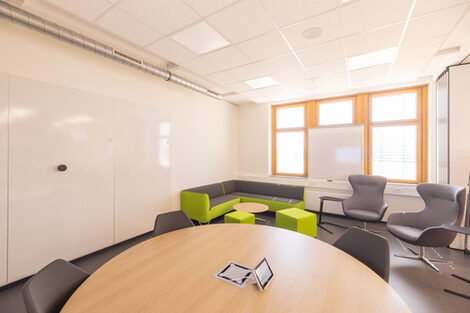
{"x":203,"y":134}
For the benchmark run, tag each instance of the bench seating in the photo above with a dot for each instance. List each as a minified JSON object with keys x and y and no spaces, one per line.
{"x":207,"y":202}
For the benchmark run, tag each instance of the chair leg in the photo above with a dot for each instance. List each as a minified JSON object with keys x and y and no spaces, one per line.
{"x":422,"y":257}
{"x":371,"y":230}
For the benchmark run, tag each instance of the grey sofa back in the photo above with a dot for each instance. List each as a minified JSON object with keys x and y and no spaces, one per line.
{"x":212,"y":190}
{"x":269,"y":189}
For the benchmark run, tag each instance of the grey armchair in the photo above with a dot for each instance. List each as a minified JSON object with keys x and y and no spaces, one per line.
{"x":367,"y":201}
{"x":51,"y":287}
{"x":444,"y":204}
{"x":371,"y":249}
{"x":170,"y":221}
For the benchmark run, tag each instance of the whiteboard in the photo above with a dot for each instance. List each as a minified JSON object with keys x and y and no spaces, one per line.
{"x":335,"y":152}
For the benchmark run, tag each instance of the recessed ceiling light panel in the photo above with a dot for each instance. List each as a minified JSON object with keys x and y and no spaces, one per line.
{"x":261,"y":82}
{"x":200,"y":38}
{"x":378,"y":57}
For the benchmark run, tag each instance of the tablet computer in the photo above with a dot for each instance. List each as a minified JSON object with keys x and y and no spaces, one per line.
{"x":263,"y":274}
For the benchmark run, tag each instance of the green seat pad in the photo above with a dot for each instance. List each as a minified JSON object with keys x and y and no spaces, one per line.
{"x":239,"y":217}
{"x":297,"y":220}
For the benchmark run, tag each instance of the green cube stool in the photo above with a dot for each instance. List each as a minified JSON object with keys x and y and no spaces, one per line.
{"x":239,"y":217}
{"x":297,"y":220}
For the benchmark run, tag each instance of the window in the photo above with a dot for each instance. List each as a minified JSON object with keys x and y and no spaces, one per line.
{"x":394,"y":132}
{"x":289,"y":140}
{"x":335,"y":113}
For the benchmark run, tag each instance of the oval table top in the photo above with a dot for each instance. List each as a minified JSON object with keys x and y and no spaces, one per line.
{"x":251,"y":207}
{"x":174,"y":272}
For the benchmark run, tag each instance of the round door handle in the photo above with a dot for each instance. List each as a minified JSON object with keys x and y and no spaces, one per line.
{"x":62,"y":168}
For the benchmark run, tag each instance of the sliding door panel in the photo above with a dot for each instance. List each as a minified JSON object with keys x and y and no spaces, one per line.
{"x":3,"y":176}
{"x":61,"y":174}
{"x":142,"y":168}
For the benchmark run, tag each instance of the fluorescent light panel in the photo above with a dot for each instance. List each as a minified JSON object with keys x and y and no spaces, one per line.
{"x":200,"y":38}
{"x":261,"y":82}
{"x":378,"y":57}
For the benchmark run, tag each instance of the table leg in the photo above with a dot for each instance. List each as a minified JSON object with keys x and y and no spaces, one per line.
{"x":320,"y":216}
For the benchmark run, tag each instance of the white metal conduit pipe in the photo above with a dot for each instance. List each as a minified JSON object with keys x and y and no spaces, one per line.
{"x":31,"y":21}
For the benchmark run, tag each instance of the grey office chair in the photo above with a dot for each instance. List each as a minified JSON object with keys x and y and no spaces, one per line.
{"x":367,"y":201}
{"x":371,"y":249}
{"x":444,"y":204}
{"x":51,"y":287}
{"x":170,"y":221}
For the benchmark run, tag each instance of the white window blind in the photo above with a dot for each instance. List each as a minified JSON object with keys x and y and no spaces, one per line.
{"x":394,"y":152}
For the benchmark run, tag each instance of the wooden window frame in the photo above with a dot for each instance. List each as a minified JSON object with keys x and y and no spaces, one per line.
{"x":275,"y":131}
{"x":362,"y":114}
{"x":420,"y":122}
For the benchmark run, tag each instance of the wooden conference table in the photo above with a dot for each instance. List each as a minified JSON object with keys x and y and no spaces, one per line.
{"x":174,"y":273}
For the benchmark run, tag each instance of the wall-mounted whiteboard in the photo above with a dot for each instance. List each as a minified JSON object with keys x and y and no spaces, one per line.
{"x":335,"y":152}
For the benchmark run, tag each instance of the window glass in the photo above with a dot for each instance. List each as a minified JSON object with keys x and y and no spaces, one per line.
{"x":331,"y":113}
{"x":394,"y":107}
{"x":394,"y":152}
{"x":290,"y":152}
{"x":290,"y":117}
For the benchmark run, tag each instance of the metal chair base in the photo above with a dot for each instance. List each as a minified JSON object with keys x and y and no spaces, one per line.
{"x":421,"y":257}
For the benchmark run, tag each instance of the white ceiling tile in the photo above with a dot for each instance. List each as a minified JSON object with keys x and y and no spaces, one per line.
{"x":226,"y":58}
{"x":328,"y":22}
{"x":378,"y":39}
{"x":247,"y":72}
{"x":171,"y":50}
{"x":328,"y":68}
{"x":264,"y":92}
{"x":299,"y":85}
{"x":289,"y":76}
{"x":375,"y":72}
{"x":243,"y":20}
{"x":265,"y":46}
{"x":221,"y":78}
{"x":207,"y":7}
{"x":410,"y":66}
{"x":165,"y":16}
{"x":334,"y":82}
{"x":287,"y":12}
{"x":368,"y":83}
{"x":459,"y":36}
{"x":427,"y":6}
{"x":125,"y":26}
{"x":199,"y":66}
{"x":237,"y":99}
{"x":420,"y":48}
{"x":434,"y":24}
{"x":280,"y":64}
{"x":321,"y":53}
{"x":86,"y":9}
{"x":369,"y":14}
{"x":238,"y":87}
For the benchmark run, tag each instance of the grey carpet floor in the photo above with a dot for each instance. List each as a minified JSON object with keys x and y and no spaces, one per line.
{"x":420,"y":286}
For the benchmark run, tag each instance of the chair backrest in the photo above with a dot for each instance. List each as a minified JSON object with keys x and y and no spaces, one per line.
{"x":368,"y":193}
{"x":371,"y":249}
{"x":170,"y":221}
{"x":444,"y":204}
{"x":51,"y":287}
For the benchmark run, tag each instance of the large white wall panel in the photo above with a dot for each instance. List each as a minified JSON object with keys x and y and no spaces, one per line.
{"x":459,"y":95}
{"x":142,"y":167}
{"x":56,"y":214}
{"x":3,"y":176}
